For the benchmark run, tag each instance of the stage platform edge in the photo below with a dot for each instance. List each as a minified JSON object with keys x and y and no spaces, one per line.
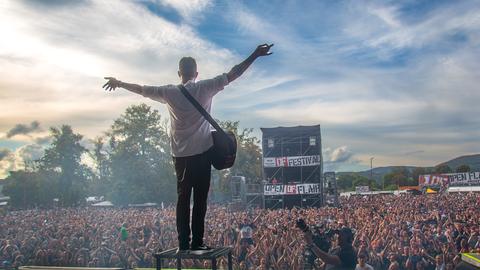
{"x":212,"y":255}
{"x":34,"y":267}
{"x":471,"y":258}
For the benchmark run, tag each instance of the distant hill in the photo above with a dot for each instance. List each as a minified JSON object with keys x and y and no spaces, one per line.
{"x":379,"y":172}
{"x":471,"y":160}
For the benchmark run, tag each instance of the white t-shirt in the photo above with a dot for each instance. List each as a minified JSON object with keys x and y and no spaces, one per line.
{"x":246,"y":232}
{"x":189,"y":130}
{"x":366,"y":267}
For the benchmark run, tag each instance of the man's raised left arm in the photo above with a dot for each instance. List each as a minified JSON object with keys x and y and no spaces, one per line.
{"x":238,"y":70}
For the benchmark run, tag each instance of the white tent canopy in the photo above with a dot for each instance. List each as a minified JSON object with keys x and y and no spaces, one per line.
{"x":148,"y":204}
{"x":105,"y":203}
{"x":464,"y":189}
{"x":94,"y":199}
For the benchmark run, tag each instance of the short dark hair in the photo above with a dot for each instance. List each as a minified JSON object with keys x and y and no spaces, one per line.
{"x":347,"y":234}
{"x":187,"y":66}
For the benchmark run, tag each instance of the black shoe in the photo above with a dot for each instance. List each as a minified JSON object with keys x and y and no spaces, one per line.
{"x":181,"y":251}
{"x":202,"y":247}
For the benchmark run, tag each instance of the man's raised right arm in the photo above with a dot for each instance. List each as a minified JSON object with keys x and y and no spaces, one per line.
{"x":114,"y":83}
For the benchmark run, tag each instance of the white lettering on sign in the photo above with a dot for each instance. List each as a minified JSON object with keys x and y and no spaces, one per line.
{"x":310,"y":188}
{"x":297,"y":161}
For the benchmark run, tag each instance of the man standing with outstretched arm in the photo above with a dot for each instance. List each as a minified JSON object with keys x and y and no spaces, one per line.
{"x":191,"y":139}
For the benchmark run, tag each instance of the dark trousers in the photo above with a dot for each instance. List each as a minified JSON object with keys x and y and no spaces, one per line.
{"x":193,"y":172}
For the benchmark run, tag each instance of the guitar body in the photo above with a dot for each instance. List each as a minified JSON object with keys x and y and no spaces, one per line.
{"x":224,"y":149}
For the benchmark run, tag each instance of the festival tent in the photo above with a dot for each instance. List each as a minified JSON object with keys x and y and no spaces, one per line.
{"x":103,"y":204}
{"x":149,"y":204}
{"x":94,"y":199}
{"x":464,"y":189}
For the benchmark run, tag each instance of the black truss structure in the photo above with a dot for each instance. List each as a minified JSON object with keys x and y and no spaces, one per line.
{"x":292,"y":142}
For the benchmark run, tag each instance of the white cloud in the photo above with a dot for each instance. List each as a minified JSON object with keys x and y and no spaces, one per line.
{"x":341,"y":154}
{"x":425,"y":100}
{"x":16,"y":160}
{"x":188,"y":9}
{"x":7,"y":163}
{"x":427,"y":32}
{"x":340,"y":158}
{"x":347,"y":112}
{"x":53,"y":66}
{"x":28,"y":153}
{"x":4,"y":153}
{"x":337,"y":155}
{"x":64,"y":58}
{"x":386,"y":14}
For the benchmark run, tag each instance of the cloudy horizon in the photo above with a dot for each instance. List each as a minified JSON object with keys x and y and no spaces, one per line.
{"x":393,"y":80}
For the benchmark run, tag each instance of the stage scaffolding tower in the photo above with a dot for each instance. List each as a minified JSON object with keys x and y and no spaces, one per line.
{"x":283,"y":148}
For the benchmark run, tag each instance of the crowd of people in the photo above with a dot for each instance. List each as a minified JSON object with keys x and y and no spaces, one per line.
{"x":390,"y":232}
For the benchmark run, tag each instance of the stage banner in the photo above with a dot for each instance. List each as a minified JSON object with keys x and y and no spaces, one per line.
{"x":362,"y":189}
{"x":468,"y":178}
{"x":298,"y":189}
{"x":297,"y":161}
{"x":432,"y":180}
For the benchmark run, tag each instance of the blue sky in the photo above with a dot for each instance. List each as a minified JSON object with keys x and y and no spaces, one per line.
{"x":394,"y":80}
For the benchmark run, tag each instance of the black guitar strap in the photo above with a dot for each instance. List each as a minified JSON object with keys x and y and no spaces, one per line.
{"x":200,"y":109}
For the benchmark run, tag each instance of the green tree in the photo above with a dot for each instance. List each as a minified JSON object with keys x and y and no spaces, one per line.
{"x":400,"y":176}
{"x":62,"y":161}
{"x":101,"y":180}
{"x":388,"y":179}
{"x":48,"y":187}
{"x":443,"y":168}
{"x":391,"y":187}
{"x":345,"y":182}
{"x":348,"y":182}
{"x":417,"y":172}
{"x":359,"y":180}
{"x":22,"y":189}
{"x":394,"y":179}
{"x":463,"y":168}
{"x":140,"y":158}
{"x":248,"y":162}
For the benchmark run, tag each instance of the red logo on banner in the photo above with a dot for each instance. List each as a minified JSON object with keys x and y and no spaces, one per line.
{"x":281,"y":162}
{"x":291,"y":189}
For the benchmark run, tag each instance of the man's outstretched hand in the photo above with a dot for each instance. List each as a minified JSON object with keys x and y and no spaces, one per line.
{"x":237,"y":71}
{"x":111,"y":84}
{"x":263,"y":50}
